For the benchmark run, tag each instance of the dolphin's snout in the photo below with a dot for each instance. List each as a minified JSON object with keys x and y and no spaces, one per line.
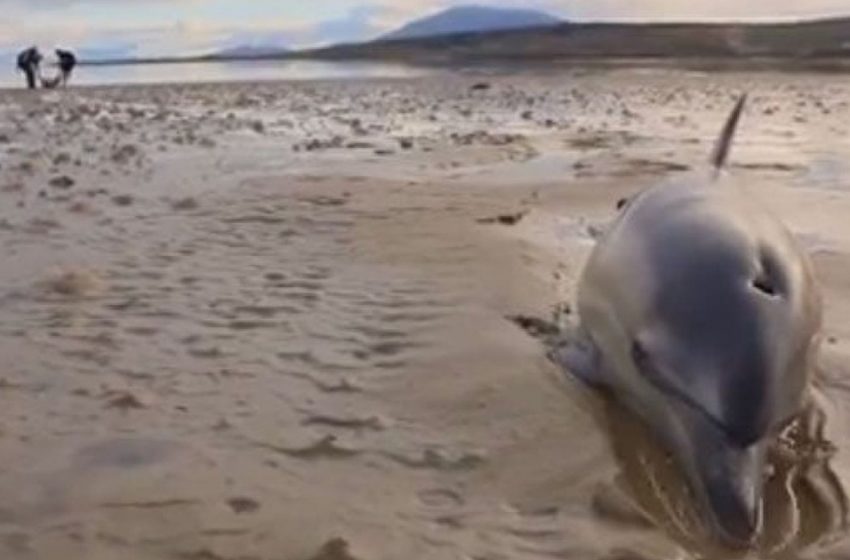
{"x":732,"y":480}
{"x":735,"y":508}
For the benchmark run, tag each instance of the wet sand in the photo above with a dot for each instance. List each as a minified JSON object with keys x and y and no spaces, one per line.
{"x":279,"y":321}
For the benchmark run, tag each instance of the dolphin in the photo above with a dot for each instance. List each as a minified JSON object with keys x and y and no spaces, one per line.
{"x":701,"y":314}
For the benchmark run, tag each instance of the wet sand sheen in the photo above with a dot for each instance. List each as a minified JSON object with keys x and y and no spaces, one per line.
{"x":239,"y":333}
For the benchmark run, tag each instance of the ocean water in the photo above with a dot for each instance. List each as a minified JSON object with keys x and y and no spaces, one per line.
{"x":232,"y":71}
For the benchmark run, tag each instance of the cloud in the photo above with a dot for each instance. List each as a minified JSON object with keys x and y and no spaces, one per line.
{"x":54,"y":4}
{"x":700,"y":9}
{"x":167,"y":27}
{"x":361,"y":22}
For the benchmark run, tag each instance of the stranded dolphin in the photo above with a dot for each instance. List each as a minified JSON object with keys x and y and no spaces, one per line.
{"x":701,"y":315}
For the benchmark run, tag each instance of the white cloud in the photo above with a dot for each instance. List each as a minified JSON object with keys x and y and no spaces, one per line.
{"x":701,"y":9}
{"x":194,"y":26}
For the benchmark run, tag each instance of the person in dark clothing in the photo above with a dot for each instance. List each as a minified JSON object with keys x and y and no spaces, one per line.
{"x":28,"y":63}
{"x":67,"y":62}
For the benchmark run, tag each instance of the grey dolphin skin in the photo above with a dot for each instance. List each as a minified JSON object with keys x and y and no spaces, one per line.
{"x":701,"y":315}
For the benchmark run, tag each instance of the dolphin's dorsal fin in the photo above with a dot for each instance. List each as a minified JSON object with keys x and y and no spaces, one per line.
{"x":724,"y":143}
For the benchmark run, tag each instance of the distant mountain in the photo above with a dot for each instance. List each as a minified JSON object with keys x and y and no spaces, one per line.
{"x":804,"y":42}
{"x":253,"y":45}
{"x":251,"y":51}
{"x":472,"y":19}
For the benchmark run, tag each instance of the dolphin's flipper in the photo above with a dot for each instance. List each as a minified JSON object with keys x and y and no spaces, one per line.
{"x":724,"y":143}
{"x":580,"y":358}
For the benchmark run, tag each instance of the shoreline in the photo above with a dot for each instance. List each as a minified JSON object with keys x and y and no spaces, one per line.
{"x":483,"y":69}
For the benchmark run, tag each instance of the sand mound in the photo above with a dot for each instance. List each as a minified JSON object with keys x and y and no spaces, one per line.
{"x":73,"y":283}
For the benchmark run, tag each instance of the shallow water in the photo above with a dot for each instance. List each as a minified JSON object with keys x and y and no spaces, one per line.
{"x":232,"y":71}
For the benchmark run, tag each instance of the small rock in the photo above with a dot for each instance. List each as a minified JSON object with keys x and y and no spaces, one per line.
{"x":480,"y":86}
{"x":505,"y":219}
{"x":122,"y":200}
{"x":62,"y":182}
{"x":62,"y":158}
{"x":126,"y":400}
{"x":125,"y":153}
{"x":188,"y":203}
{"x":335,"y":549}
{"x":241,"y":505}
{"x":359,"y":145}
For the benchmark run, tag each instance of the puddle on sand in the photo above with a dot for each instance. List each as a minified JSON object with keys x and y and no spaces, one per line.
{"x":543,"y":168}
{"x":77,"y":481}
{"x":826,"y":173}
{"x":125,"y":453}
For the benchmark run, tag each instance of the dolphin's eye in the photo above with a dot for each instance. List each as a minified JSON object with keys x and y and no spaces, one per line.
{"x":641,"y":357}
{"x":647,"y":367}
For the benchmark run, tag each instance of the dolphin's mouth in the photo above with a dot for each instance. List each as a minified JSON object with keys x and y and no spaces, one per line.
{"x":729,"y":480}
{"x":724,"y":464}
{"x":733,"y":495}
{"x":694,"y":481}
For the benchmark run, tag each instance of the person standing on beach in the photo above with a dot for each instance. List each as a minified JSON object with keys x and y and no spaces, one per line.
{"x":67,"y":62}
{"x":28,"y":63}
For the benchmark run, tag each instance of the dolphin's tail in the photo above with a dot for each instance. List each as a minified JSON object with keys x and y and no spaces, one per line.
{"x":724,"y":143}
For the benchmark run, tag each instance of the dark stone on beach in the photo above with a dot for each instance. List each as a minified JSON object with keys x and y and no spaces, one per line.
{"x":188,"y":203}
{"x":480,"y":86}
{"x":360,"y":146}
{"x":335,"y":549}
{"x":123,"y":154}
{"x":505,"y":219}
{"x":62,"y":182}
{"x":62,"y":159}
{"x":243,"y":505}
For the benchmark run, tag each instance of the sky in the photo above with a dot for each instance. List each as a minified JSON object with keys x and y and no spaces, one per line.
{"x":186,"y":27}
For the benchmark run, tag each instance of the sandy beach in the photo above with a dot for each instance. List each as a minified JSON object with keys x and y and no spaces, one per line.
{"x":284,"y":321}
